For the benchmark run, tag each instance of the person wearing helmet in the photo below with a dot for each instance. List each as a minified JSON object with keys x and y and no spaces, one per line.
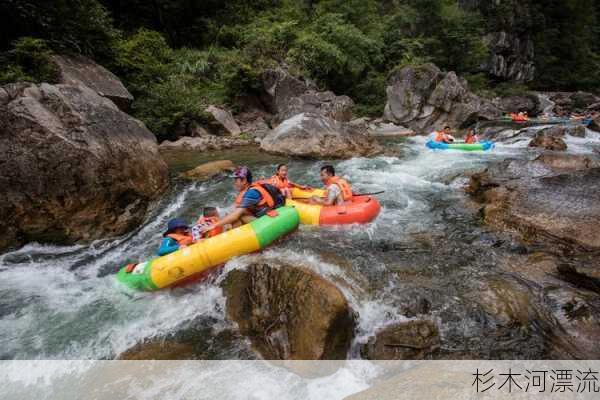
{"x":176,"y":237}
{"x":253,"y":201}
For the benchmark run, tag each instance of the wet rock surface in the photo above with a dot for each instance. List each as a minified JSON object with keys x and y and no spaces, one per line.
{"x":289,"y":313}
{"x":545,"y":141}
{"x":316,"y":136}
{"x":424,"y":98}
{"x":551,"y":199}
{"x":409,"y":340}
{"x":73,"y":167}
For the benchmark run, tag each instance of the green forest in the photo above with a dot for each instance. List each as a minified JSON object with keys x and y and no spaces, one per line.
{"x":177,"y":56}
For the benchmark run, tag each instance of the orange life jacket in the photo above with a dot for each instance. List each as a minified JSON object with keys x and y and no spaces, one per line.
{"x":181,"y":239}
{"x":518,"y":118}
{"x":440,"y":136}
{"x":471,"y":139}
{"x":267,"y":199}
{"x":280,"y":183}
{"x":210,"y":221}
{"x":343,"y":185}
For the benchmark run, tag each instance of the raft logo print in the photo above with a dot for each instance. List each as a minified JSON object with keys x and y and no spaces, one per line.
{"x":538,"y":381}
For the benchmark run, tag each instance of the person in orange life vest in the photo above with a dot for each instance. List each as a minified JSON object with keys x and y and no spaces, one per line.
{"x":280,"y":181}
{"x":471,"y":137}
{"x":338,"y":190}
{"x":253,"y":201}
{"x":522,"y":116}
{"x":210,"y":216}
{"x":176,"y":237}
{"x":444,"y":136}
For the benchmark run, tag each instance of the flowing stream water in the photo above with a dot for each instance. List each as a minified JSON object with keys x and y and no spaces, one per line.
{"x":427,"y":246}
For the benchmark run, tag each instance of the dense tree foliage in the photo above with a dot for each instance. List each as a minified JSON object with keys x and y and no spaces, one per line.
{"x":177,"y":56}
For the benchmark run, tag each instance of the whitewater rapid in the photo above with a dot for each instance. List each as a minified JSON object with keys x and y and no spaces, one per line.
{"x":62,"y":302}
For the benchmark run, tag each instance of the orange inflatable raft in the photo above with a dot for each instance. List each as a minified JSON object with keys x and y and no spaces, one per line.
{"x":360,"y":210}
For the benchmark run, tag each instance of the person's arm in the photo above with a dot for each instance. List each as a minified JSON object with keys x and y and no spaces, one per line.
{"x":332,"y":193}
{"x":167,"y":246}
{"x":296,"y":185}
{"x":250,"y":199}
{"x":228,"y":219}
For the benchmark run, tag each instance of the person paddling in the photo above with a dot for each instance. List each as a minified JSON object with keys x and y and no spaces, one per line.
{"x":281,"y":181}
{"x":338,"y":190}
{"x":471,"y":137}
{"x":443,"y":136}
{"x":176,"y":237}
{"x":254,"y":201}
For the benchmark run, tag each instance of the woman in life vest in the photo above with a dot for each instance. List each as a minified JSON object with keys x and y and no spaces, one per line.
{"x":176,"y":237}
{"x":253,"y":201}
{"x":338,"y":190}
{"x":280,"y":181}
{"x":471,"y":137}
{"x":443,"y":136}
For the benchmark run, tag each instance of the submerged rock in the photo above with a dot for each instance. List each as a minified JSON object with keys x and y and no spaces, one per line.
{"x":73,"y":167}
{"x":80,"y":70}
{"x":424,"y":98}
{"x":316,"y":136}
{"x":409,"y":340}
{"x":547,"y":142}
{"x":209,"y":170}
{"x":289,"y":313}
{"x":159,"y":350}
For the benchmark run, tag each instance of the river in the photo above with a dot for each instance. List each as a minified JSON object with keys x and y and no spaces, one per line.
{"x":427,"y":246}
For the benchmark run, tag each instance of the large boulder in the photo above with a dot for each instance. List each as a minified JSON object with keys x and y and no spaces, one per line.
{"x":287,"y":96}
{"x":80,"y":70}
{"x":289,"y":313}
{"x":529,"y":102}
{"x":424,"y":98}
{"x":548,"y":200}
{"x":225,"y":119}
{"x":403,"y":341}
{"x":317,"y":136}
{"x":279,"y":88}
{"x":73,"y":167}
{"x":328,"y":104}
{"x":203,"y":143}
{"x":567,"y":103}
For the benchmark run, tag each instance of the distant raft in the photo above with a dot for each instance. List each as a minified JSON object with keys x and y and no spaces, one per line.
{"x":481,"y":146}
{"x":193,"y":262}
{"x":509,"y":122}
{"x":359,"y":210}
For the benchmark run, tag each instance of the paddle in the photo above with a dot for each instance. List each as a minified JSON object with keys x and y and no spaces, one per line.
{"x":354,"y":194}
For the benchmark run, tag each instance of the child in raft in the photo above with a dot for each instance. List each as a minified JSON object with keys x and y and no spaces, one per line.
{"x":210,"y":216}
{"x":176,"y":237}
{"x":179,"y":235}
